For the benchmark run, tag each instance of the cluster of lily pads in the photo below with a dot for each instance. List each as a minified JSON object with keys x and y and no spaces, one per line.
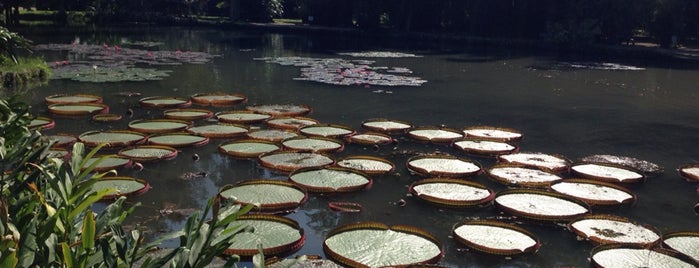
{"x":542,"y":188}
{"x":336,"y":71}
{"x":113,"y":63}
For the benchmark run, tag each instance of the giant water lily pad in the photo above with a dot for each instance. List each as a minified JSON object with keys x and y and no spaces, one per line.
{"x":290,"y":161}
{"x":513,"y":175}
{"x":275,"y":234}
{"x":631,"y":256}
{"x":607,"y":172}
{"x":451,"y":192}
{"x":369,"y":138}
{"x":372,"y":244}
{"x":242,"y":117}
{"x":164,"y":102}
{"x":149,"y":153}
{"x":313,"y":144}
{"x":443,"y":166}
{"x":329,"y":180}
{"x":493,"y":133}
{"x":293,"y":123}
{"x":77,"y":109}
{"x":106,"y":117}
{"x":151,"y":126}
{"x":219,"y":130}
{"x":495,"y":237}
{"x":368,"y":164}
{"x":187,"y":114}
{"x":121,"y":186}
{"x":280,"y":109}
{"x":41,"y":123}
{"x":686,"y":243}
{"x":178,"y":140}
{"x":266,"y":195}
{"x":548,"y":162}
{"x":648,"y":168}
{"x":689,"y":172}
{"x":326,"y":130}
{"x":595,"y":193}
{"x":219,"y":99}
{"x":72,"y":98}
{"x":387,"y":126}
{"x":435,"y":134}
{"x":248,"y":148}
{"x":608,"y":229}
{"x":60,"y":140}
{"x":484,"y":148}
{"x":112,"y":138}
{"x":539,"y":205}
{"x":107,"y":162}
{"x":274,"y":135}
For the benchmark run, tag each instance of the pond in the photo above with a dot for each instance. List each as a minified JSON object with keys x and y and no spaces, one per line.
{"x":564,"y":105}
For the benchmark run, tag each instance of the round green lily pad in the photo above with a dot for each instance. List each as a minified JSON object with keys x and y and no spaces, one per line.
{"x":248,"y":148}
{"x":435,"y":134}
{"x":625,"y":255}
{"x":178,"y":140}
{"x":368,"y":164}
{"x":187,"y":114}
{"x":112,"y":138}
{"x":330,"y":180}
{"x":287,"y":162}
{"x":612,"y":229}
{"x":219,"y":130}
{"x":387,"y":126}
{"x":443,"y":166}
{"x":242,"y":117}
{"x":281,"y":109}
{"x":77,"y":109}
{"x":121,"y":186}
{"x":277,"y":234}
{"x":293,"y":123}
{"x":151,"y":126}
{"x":266,"y":195}
{"x":493,"y":133}
{"x":451,"y":192}
{"x":148,"y":153}
{"x":72,"y":98}
{"x":219,"y":99}
{"x":540,"y":205}
{"x":326,"y":130}
{"x":313,"y":144}
{"x":495,"y":237}
{"x":163,"y":102}
{"x":274,"y":135}
{"x":42,"y":123}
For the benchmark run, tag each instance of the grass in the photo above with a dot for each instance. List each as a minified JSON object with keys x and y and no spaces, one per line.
{"x":28,"y":71}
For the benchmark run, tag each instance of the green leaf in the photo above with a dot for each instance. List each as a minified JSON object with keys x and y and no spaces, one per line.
{"x":197,"y":245}
{"x":9,"y":260}
{"x":67,"y":255}
{"x":88,"y":201}
{"x":88,"y":232}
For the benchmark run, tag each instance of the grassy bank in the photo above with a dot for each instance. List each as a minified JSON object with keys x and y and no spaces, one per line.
{"x":27,"y":72}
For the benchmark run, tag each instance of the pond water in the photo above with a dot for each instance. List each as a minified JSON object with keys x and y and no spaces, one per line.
{"x":572,"y":106}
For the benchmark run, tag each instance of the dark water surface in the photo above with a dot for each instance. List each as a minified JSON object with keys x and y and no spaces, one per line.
{"x":651,"y":114}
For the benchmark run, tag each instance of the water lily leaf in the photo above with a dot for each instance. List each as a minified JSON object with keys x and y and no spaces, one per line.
{"x":178,"y":140}
{"x":607,"y":229}
{"x":494,"y":237}
{"x":121,"y":186}
{"x":290,"y":161}
{"x":247,"y":148}
{"x":595,"y":193}
{"x":267,"y":195}
{"x":276,"y":234}
{"x":330,"y":179}
{"x":621,"y":255}
{"x":686,"y":243}
{"x":111,"y":138}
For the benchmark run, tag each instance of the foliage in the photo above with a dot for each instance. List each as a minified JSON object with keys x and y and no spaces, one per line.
{"x":11,"y":41}
{"x":46,"y":218}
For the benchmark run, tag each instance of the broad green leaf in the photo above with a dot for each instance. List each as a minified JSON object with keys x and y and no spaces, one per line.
{"x":198,"y":245}
{"x":67,"y":255}
{"x":9,"y":259}
{"x":88,"y":231}
{"x":88,"y":201}
{"x":269,"y":233}
{"x":264,"y":194}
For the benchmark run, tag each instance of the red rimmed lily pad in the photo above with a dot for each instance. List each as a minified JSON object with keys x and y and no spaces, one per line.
{"x":149,"y":153}
{"x":242,"y":117}
{"x":330,"y":180}
{"x":218,"y":99}
{"x":540,"y":205}
{"x":266,"y":195}
{"x":281,"y":109}
{"x":369,"y":138}
{"x":106,"y":117}
{"x":484,"y":148}
{"x":112,"y":138}
{"x":690,"y":172}
{"x":150,"y":126}
{"x":516,"y":175}
{"x":387,"y":126}
{"x":493,"y":133}
{"x":107,"y":162}
{"x":548,"y":162}
{"x":273,"y":135}
{"x":122,"y":186}
{"x":42,"y":123}
{"x":595,"y":193}
{"x":293,"y":123}
{"x":313,"y":144}
{"x":648,"y":168}
{"x":219,"y":130}
{"x":248,"y":148}
{"x":611,"y":229}
{"x":496,"y":237}
{"x":287,"y":162}
{"x":686,"y":243}
{"x":443,"y":166}
{"x":188,"y":114}
{"x":164,"y":102}
{"x":77,"y":109}
{"x":625,"y":255}
{"x":61,"y":140}
{"x":451,"y":192}
{"x":435,"y":134}
{"x":345,"y":207}
{"x":72,"y":98}
{"x":278,"y":235}
{"x":178,"y":140}
{"x":327,"y":130}
{"x":368,"y":164}
{"x":608,"y":173}
{"x":374,"y":244}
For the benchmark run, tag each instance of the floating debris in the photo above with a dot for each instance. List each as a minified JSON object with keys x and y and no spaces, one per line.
{"x":342,"y":72}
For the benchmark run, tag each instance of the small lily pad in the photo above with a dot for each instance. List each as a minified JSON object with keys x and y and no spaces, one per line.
{"x":313,"y":144}
{"x":274,"y":135}
{"x":326,"y":130}
{"x":248,"y":148}
{"x":387,"y":126}
{"x":72,"y":98}
{"x":218,"y":99}
{"x":164,"y":102}
{"x":77,"y":109}
{"x":368,"y":164}
{"x":188,"y":114}
{"x":149,"y":153}
{"x":121,"y":186}
{"x":112,"y":138}
{"x":287,"y":162}
{"x":242,"y":117}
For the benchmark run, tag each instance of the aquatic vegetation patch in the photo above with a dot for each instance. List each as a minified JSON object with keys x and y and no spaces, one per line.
{"x":336,"y":71}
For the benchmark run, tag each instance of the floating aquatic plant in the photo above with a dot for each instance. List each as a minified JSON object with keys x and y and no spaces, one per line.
{"x":379,"y":54}
{"x":343,"y":72}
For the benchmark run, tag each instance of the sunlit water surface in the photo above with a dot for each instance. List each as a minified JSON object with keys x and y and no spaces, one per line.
{"x":651,"y":114}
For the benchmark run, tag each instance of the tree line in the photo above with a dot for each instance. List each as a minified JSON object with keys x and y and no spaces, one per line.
{"x":667,"y":22}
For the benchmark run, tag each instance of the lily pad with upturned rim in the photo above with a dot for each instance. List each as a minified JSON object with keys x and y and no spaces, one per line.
{"x":608,"y":173}
{"x":281,"y":109}
{"x":450,"y":192}
{"x":242,"y":117}
{"x":493,"y":133}
{"x":149,"y":153}
{"x":123,"y":186}
{"x":266,"y":195}
{"x":218,"y":99}
{"x":368,"y":164}
{"x":540,"y":205}
{"x":151,"y":126}
{"x":60,"y":140}
{"x":496,"y":237}
{"x":188,"y":114}
{"x":516,"y":175}
{"x":612,"y":229}
{"x":330,"y":180}
{"x":548,"y":162}
{"x":273,"y":135}
{"x":387,"y":126}
{"x":369,"y":138}
{"x":686,"y":243}
{"x":442,"y":166}
{"x":164,"y":102}
{"x":484,"y":148}
{"x":595,"y":193}
{"x":689,"y":172}
{"x":107,"y":162}
{"x":287,"y":162}
{"x":219,"y":130}
{"x":373,"y":244}
{"x":327,"y":130}
{"x":278,"y":235}
{"x":106,"y":117}
{"x":435,"y":134}
{"x":42,"y":123}
{"x":112,"y":138}
{"x":631,"y":256}
{"x":248,"y":148}
{"x":77,"y":109}
{"x":178,"y":139}
{"x":313,"y":144}
{"x":648,"y":168}
{"x":294,"y":123}
{"x":72,"y":98}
